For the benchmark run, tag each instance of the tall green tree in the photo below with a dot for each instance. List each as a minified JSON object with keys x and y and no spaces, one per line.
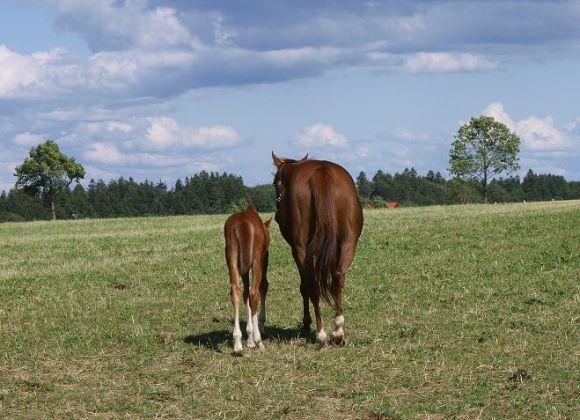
{"x":47,"y":171}
{"x":364,"y":186}
{"x":482,"y":149}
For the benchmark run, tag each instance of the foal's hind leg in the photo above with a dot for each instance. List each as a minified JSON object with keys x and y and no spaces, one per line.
{"x":249,"y":324}
{"x":236,"y":292}
{"x":253,"y":303}
{"x":347,"y":251}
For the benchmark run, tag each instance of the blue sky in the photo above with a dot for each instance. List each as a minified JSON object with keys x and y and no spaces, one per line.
{"x":163,"y":89}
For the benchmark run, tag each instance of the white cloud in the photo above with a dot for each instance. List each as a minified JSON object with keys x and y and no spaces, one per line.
{"x":496,"y":110}
{"x":28,"y":139}
{"x":218,"y":136}
{"x":18,"y":73}
{"x":103,"y":153}
{"x":540,"y":134}
{"x":321,"y":135}
{"x":439,"y":62}
{"x":537,"y":134}
{"x":164,"y":132}
{"x":113,"y":25}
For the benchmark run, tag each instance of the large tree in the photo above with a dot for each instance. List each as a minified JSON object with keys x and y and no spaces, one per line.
{"x":364,"y":186}
{"x":482,"y":149}
{"x":47,"y":171}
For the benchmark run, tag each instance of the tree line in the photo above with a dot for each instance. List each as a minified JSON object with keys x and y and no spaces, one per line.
{"x":213,"y":193}
{"x":202,"y":193}
{"x":411,"y":189}
{"x":482,"y":150}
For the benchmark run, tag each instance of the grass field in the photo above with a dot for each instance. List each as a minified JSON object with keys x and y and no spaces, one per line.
{"x":459,"y":311}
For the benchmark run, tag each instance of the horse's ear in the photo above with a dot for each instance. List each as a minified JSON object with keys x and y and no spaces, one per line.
{"x":277,"y":161}
{"x":267,"y":222}
{"x":303,"y":159}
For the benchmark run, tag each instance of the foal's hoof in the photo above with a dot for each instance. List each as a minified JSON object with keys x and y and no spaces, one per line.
{"x":237,"y":353}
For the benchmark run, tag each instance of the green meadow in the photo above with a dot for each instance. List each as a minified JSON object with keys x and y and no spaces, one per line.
{"x":454,"y":311}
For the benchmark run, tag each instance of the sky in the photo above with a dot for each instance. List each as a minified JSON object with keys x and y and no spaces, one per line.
{"x":161,"y":90}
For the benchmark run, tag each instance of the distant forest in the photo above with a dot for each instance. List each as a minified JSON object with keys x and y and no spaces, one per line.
{"x":213,"y":193}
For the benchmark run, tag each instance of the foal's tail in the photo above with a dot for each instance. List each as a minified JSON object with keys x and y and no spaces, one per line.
{"x":240,"y":245}
{"x":322,"y":247}
{"x":245,"y":248}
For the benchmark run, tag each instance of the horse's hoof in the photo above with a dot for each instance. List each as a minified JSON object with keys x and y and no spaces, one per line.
{"x":238,"y":347}
{"x":260,"y":346}
{"x":322,"y":338}
{"x":338,"y":340}
{"x":237,"y":353}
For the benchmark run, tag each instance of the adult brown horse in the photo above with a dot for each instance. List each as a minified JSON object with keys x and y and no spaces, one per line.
{"x":321,"y":218}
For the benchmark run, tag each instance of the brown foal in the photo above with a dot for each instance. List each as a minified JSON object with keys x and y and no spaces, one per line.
{"x":247,"y":242}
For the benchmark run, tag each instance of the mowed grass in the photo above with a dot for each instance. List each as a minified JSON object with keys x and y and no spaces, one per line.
{"x":459,"y":311}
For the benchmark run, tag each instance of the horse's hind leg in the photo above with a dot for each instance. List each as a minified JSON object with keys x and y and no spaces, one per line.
{"x":299,"y":254}
{"x":236,"y":293}
{"x":263,"y":293}
{"x":347,"y":251}
{"x":262,"y":316}
{"x":253,"y":303}
{"x":249,"y":324}
{"x":321,"y":335}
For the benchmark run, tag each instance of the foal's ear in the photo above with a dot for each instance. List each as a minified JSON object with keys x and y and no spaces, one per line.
{"x":277,"y":161}
{"x":267,"y":223}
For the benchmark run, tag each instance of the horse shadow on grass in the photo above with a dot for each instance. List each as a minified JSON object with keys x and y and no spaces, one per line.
{"x":213,"y":340}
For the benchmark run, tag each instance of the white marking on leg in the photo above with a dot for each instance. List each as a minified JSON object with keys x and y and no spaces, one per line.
{"x":250,"y":326}
{"x":339,"y":331}
{"x":257,"y":336}
{"x":321,"y":337}
{"x":262,"y":318}
{"x":237,"y":333}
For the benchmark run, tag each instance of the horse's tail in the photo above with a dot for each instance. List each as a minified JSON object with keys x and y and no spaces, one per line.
{"x":322,"y":247}
{"x":245,"y":241}
{"x":239,"y":246}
